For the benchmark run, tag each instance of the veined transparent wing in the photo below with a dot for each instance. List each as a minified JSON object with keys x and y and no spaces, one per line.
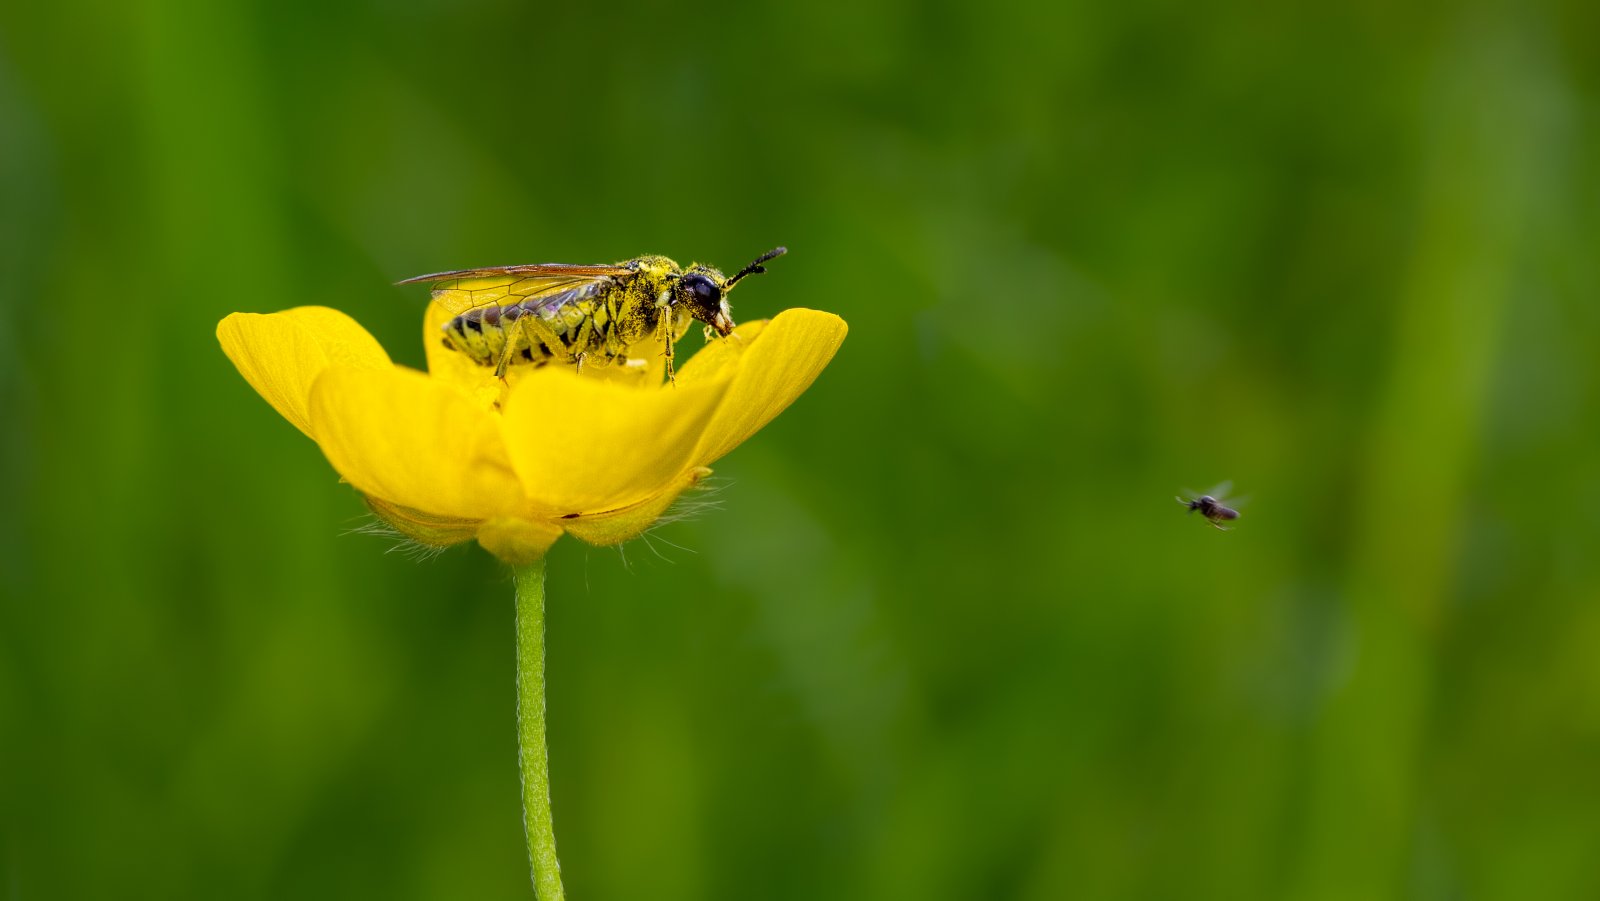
{"x":470,"y":289}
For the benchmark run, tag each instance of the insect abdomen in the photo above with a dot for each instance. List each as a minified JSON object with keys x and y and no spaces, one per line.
{"x":562,"y":333}
{"x":482,"y":334}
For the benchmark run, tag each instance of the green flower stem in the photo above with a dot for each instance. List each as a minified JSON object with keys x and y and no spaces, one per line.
{"x":531,"y":754}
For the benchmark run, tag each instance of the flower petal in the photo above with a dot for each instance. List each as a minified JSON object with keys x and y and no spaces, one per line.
{"x":281,"y":354}
{"x":396,"y":434}
{"x":773,"y":369}
{"x":720,"y":354}
{"x":582,"y":445}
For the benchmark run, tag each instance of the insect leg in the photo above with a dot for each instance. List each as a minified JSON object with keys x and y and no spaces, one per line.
{"x":582,"y":341}
{"x":542,"y":338}
{"x":522,"y":331}
{"x":526,"y":330}
{"x":666,"y":334}
{"x":507,"y":353}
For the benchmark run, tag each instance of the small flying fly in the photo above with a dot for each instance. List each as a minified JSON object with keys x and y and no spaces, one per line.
{"x":583,"y":315}
{"x":1215,"y":511}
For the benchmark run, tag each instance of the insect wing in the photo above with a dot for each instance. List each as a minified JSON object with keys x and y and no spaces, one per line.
{"x":581,"y":291}
{"x":458,"y":296}
{"x":1221,"y":494}
{"x":531,"y":270}
{"x":468,"y":289}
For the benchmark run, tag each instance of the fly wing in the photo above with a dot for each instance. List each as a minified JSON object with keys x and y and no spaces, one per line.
{"x":469,"y":289}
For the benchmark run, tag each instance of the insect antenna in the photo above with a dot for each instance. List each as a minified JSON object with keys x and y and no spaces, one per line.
{"x":754,"y":268}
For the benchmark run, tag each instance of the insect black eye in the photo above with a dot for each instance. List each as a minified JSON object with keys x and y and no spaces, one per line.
{"x":702,"y":291}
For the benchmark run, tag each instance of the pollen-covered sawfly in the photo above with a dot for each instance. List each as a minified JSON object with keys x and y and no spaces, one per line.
{"x":583,"y":315}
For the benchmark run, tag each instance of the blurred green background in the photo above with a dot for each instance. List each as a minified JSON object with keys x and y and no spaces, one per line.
{"x":947,"y":635}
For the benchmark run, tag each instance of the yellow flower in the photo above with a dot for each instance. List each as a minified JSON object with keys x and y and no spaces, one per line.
{"x":456,"y":453}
